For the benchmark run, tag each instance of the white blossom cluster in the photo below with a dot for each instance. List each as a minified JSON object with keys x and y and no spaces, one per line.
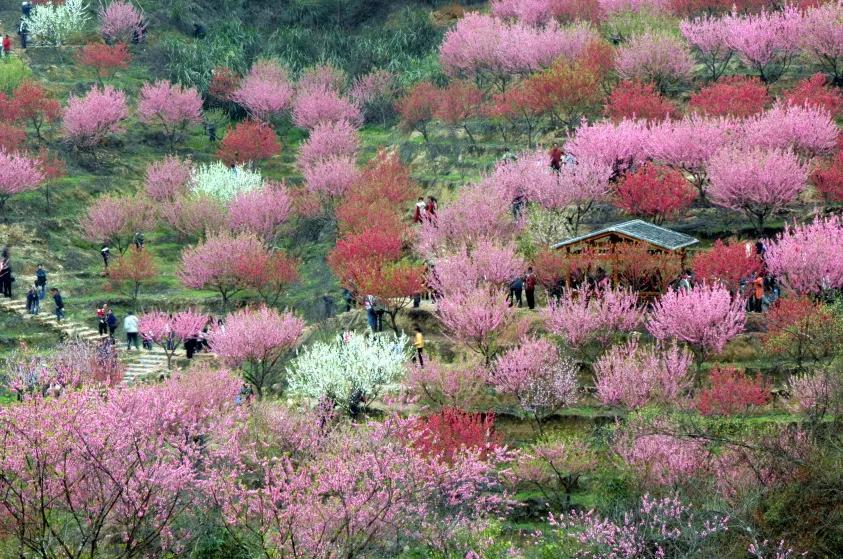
{"x":224,"y":183}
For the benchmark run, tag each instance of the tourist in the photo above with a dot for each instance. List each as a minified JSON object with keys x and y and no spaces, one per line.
{"x":379,"y":312}
{"x":111,"y":321}
{"x":420,"y":211}
{"x":26,"y":8}
{"x":102,"y":322}
{"x":556,"y":158}
{"x":418,"y":343}
{"x":685,"y":281}
{"x":32,"y":300}
{"x":530,"y":287}
{"x":348,"y":297}
{"x":7,"y":45}
{"x":431,"y":206}
{"x":41,"y":281}
{"x":131,"y":325}
{"x":23,"y":33}
{"x":518,"y":203}
{"x":6,"y":277}
{"x":371,"y":313}
{"x":516,"y":286}
{"x":59,"y":303}
{"x":138,"y":240}
{"x":106,"y":254}
{"x":757,"y":294}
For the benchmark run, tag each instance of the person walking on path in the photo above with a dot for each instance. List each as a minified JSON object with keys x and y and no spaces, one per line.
{"x":515,"y":289}
{"x":420,"y":211}
{"x":138,"y":240}
{"x":418,"y":343}
{"x":32,"y":300}
{"x":102,"y":320}
{"x":106,"y":254}
{"x":131,"y":324}
{"x":6,"y":276}
{"x":41,"y":281}
{"x":7,"y":45}
{"x":111,"y":321}
{"x":530,"y":287}
{"x":371,"y":313}
{"x":59,"y":302}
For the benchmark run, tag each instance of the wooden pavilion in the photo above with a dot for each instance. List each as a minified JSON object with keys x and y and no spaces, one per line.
{"x":641,"y":255}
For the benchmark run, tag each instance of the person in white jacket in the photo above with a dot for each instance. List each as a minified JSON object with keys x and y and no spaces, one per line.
{"x":131,"y":324}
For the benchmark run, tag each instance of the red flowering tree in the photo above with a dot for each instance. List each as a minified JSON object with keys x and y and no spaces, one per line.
{"x":816,"y":91}
{"x":11,"y":137}
{"x":457,"y":104}
{"x":133,"y":269}
{"x":654,"y":192}
{"x":451,"y":430}
{"x":249,"y":141}
{"x":731,"y":96}
{"x":270,"y":275}
{"x":731,"y":391}
{"x":566,"y":92}
{"x":394,"y":285}
{"x":255,"y":341}
{"x":638,"y":100}
{"x":171,"y":106}
{"x":53,"y":168}
{"x":104,"y":59}
{"x":32,"y":104}
{"x":224,"y":82}
{"x":416,"y":107}
{"x":727,"y":263}
{"x":801,"y":331}
{"x":828,"y":179}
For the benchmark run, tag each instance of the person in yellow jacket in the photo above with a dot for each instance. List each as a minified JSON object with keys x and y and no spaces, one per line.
{"x":418,"y":343}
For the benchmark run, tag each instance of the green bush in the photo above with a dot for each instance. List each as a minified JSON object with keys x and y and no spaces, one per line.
{"x":13,"y":70}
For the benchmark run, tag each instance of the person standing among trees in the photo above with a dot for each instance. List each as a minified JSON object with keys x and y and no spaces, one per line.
{"x":7,"y":45}
{"x":556,"y":158}
{"x":41,"y":281}
{"x":430,"y":207}
{"x":757,"y":294}
{"x":530,"y":281}
{"x":111,"y":321}
{"x":32,"y":300}
{"x":106,"y":254}
{"x":418,"y":343}
{"x":6,"y":277}
{"x":102,"y":320}
{"x":420,"y":211}
{"x":59,"y":302}
{"x":138,"y":240}
{"x":516,"y":286}
{"x":131,"y":325}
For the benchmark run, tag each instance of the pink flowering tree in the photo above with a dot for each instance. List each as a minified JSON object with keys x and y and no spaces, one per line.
{"x":618,"y":145}
{"x":537,"y":377}
{"x":476,"y":318}
{"x":662,"y":460}
{"x":256,"y":341}
{"x":331,"y":178}
{"x":808,"y":258}
{"x":194,"y":216}
{"x":658,"y":59}
{"x":757,"y":182}
{"x":89,"y":120}
{"x":581,"y":317}
{"x":807,"y":130}
{"x":219,"y":262}
{"x":376,"y":93}
{"x":315,"y":106}
{"x":18,"y":174}
{"x":767,"y":41}
{"x":633,"y":376}
{"x":688,"y":144}
{"x":705,"y":317}
{"x":265,"y":92}
{"x":168,"y":178}
{"x":486,"y":264}
{"x":261,"y":212}
{"x":115,"y":219}
{"x":121,"y":22}
{"x":326,"y":140}
{"x":822,"y":38}
{"x":171,"y":106}
{"x":709,"y":36}
{"x":169,"y":331}
{"x":577,"y":190}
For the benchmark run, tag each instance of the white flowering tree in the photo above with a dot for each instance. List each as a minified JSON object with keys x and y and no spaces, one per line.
{"x":351,"y":370}
{"x":52,"y":23}
{"x":222,"y":182}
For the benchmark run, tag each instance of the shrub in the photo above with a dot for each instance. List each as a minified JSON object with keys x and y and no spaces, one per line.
{"x":120,"y":21}
{"x":90,"y":119}
{"x":105,"y":59}
{"x":654,"y":192}
{"x":171,"y":106}
{"x":816,"y":91}
{"x":828,"y":179}
{"x":800,"y":330}
{"x":13,"y":71}
{"x":727,"y":263}
{"x":554,"y":467}
{"x":451,"y":431}
{"x":638,"y":100}
{"x":247,"y":142}
{"x":731,"y":391}
{"x":416,"y":107}
{"x":223,"y":183}
{"x":53,"y":23}
{"x":732,"y":96}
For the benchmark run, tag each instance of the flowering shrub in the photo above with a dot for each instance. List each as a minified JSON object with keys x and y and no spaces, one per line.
{"x":222,"y":182}
{"x":816,"y":91}
{"x":638,"y":100}
{"x":312,"y":107}
{"x":173,"y":107}
{"x":554,"y":467}
{"x":808,"y":258}
{"x":105,"y":59}
{"x":731,"y":96}
{"x":120,"y":21}
{"x":169,"y":331}
{"x":828,"y":179}
{"x":727,"y":263}
{"x":659,"y":59}
{"x":655,"y":193}
{"x":168,"y":178}
{"x":800,"y":331}
{"x":265,"y":92}
{"x":90,"y":119}
{"x":658,"y":460}
{"x":817,"y":394}
{"x":18,"y":173}
{"x":634,"y":376}
{"x":583,"y":316}
{"x":449,"y":431}
{"x":731,"y":391}
{"x":351,"y":370}
{"x":441,"y":386}
{"x":53,"y":23}
{"x":248,"y":142}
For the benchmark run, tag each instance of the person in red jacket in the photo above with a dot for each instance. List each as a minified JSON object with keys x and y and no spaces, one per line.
{"x":530,"y":281}
{"x":556,"y":157}
{"x":7,"y":45}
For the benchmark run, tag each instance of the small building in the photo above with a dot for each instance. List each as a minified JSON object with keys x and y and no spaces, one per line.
{"x":635,"y":253}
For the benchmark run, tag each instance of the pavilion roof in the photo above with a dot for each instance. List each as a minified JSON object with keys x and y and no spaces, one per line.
{"x":640,"y":231}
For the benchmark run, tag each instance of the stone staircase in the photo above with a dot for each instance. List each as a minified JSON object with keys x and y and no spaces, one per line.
{"x":139,"y":363}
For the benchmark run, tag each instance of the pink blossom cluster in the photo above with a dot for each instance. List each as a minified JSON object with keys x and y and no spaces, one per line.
{"x":611,"y":143}
{"x":90,"y":119}
{"x":633,"y":375}
{"x":808,"y":258}
{"x":120,"y":21}
{"x":326,"y":140}
{"x":660,"y":59}
{"x":322,"y":105}
{"x":487,"y":263}
{"x":265,"y":91}
{"x":476,"y":317}
{"x":583,"y":316}
{"x":18,"y":173}
{"x":331,"y":177}
{"x":323,"y":76}
{"x":194,"y":215}
{"x":169,"y":331}
{"x":807,"y":130}
{"x":170,"y":105}
{"x":663,"y":459}
{"x":260,"y":212}
{"x":705,"y":316}
{"x":168,"y":178}
{"x":116,"y":219}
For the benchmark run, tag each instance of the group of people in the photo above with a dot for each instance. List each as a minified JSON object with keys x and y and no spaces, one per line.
{"x":525,"y":284}
{"x":425,"y":210}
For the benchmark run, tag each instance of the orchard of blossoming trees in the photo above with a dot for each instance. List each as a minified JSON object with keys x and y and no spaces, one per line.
{"x":531,"y":278}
